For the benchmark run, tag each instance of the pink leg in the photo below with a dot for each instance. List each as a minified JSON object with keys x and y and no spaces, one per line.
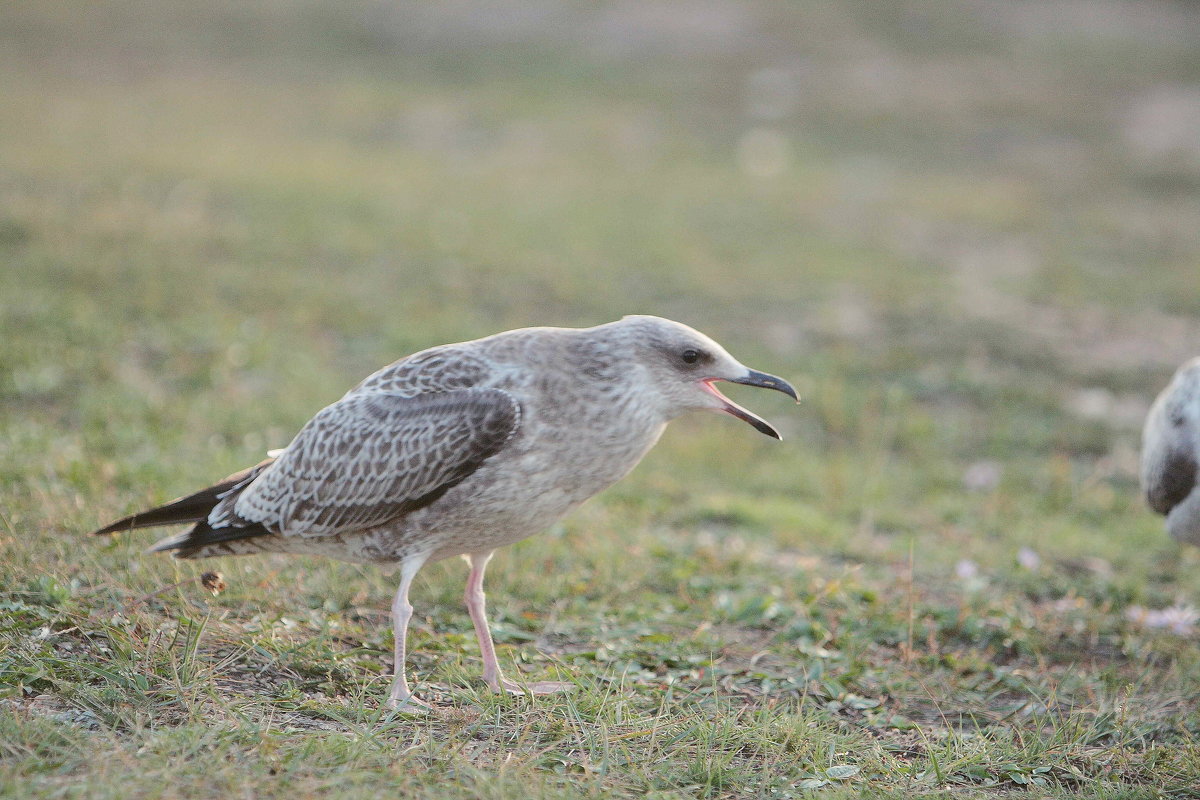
{"x":402,"y":611}
{"x":476,"y":605}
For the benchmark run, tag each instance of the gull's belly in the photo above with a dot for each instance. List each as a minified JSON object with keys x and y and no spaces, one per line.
{"x":514,"y":506}
{"x":521,"y":495}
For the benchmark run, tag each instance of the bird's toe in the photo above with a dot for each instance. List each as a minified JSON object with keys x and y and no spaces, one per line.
{"x":409,"y":705}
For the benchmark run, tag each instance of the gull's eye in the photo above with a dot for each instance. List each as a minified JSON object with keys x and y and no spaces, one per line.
{"x":690,"y":356}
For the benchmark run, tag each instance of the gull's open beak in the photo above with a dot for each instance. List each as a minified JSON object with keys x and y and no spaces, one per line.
{"x":753,"y":378}
{"x":756,"y":378}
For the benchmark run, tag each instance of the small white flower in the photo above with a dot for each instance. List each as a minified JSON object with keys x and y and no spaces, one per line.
{"x":1028,"y":558}
{"x":966,"y":569}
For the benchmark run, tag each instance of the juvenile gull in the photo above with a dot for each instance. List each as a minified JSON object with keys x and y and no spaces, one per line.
{"x":461,"y":449}
{"x":1171,"y":454}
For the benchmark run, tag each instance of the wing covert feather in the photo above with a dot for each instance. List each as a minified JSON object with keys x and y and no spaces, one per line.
{"x":370,"y":458}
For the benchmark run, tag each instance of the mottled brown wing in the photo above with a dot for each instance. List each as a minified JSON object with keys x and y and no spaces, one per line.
{"x":371,"y":458}
{"x":1173,"y":475}
{"x":1169,"y":448}
{"x":445,"y":368}
{"x":1177,"y":482}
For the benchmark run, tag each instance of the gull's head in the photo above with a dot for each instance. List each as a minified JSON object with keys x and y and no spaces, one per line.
{"x":681,"y":367}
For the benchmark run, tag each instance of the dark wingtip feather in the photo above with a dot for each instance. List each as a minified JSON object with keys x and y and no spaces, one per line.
{"x":126,"y":524}
{"x":186,"y":509}
{"x":192,"y":508}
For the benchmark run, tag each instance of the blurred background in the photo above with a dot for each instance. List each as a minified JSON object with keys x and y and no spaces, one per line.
{"x":968,"y":231}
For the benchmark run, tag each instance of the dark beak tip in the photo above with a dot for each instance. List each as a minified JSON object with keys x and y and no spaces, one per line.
{"x":762,"y":426}
{"x":767,"y":381}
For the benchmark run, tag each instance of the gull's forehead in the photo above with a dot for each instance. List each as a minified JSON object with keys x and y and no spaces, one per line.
{"x":657,"y":342}
{"x":667,"y":331}
{"x":678,"y":336}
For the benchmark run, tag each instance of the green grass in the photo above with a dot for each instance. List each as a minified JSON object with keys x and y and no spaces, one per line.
{"x":215,"y":218}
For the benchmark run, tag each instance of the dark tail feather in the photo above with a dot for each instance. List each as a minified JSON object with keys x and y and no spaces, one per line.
{"x":193,"y":508}
{"x":190,"y":543}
